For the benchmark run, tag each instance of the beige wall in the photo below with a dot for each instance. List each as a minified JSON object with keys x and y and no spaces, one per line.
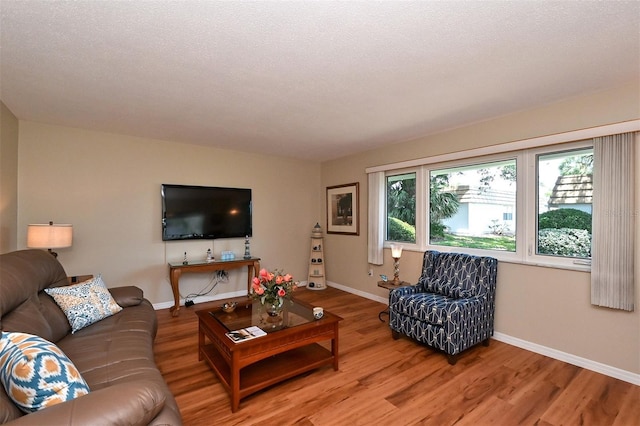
{"x":108,"y":187}
{"x":544,"y":306}
{"x":8,"y":179}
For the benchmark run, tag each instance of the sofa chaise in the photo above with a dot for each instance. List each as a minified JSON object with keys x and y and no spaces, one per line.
{"x":113,"y":356}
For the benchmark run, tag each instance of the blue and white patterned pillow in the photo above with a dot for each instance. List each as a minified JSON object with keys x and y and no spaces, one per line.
{"x":85,"y":303}
{"x":36,"y":374}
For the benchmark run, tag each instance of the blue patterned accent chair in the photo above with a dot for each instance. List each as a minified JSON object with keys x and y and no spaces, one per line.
{"x":451,"y":307}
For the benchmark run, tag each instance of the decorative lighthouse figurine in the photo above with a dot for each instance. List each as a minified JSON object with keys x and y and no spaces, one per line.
{"x":316,"y":278}
{"x":247,"y":253}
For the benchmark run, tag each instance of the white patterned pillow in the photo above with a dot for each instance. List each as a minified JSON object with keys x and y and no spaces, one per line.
{"x":36,"y":374}
{"x":85,"y":303}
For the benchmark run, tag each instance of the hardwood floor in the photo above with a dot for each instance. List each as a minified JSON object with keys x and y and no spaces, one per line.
{"x":382,"y":381}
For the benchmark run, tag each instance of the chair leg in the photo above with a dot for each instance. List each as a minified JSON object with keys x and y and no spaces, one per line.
{"x":395,"y":335}
{"x":486,"y":342}
{"x":452,"y":359}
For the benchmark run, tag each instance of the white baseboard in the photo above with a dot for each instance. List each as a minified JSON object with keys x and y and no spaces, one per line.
{"x":585,"y":363}
{"x":607,"y":370}
{"x":369,"y":296}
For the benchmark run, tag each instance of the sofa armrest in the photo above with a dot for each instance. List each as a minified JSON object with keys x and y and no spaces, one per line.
{"x":131,"y":403}
{"x":127,"y":296}
{"x":76,"y":279}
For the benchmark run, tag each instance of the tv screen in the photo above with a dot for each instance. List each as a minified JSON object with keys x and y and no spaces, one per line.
{"x":205,"y":213}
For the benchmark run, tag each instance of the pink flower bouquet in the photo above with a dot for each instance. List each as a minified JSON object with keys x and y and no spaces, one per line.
{"x":271,"y":288}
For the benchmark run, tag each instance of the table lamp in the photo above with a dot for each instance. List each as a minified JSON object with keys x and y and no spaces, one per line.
{"x":49,"y":236}
{"x":396,"y":252}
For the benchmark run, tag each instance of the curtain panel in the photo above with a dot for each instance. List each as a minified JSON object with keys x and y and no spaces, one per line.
{"x":613,"y":229}
{"x":376,"y":218}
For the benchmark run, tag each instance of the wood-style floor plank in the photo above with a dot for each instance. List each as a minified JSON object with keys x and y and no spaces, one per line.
{"x":395,"y":382}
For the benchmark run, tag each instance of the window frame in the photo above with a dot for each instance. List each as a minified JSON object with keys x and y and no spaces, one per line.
{"x":531,"y":234}
{"x":417,"y":246}
{"x":514,"y":256}
{"x":526,"y":207}
{"x":469,"y":163}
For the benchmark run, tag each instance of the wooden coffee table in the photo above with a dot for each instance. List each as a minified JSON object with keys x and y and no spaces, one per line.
{"x":290,"y":347}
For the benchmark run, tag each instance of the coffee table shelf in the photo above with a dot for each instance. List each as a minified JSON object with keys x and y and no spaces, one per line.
{"x":272,"y":370}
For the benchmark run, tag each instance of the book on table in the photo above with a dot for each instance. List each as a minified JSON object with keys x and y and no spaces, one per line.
{"x":245,"y":334}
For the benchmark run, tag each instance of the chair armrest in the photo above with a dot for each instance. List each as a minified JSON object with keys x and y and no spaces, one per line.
{"x":398,"y":292}
{"x":476,"y":301}
{"x":460,"y":310}
{"x":127,"y":296}
{"x":131,"y":403}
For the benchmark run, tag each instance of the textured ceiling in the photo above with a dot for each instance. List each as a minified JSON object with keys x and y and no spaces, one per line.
{"x":316,"y":80}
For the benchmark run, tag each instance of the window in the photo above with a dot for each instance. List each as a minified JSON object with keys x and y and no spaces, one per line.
{"x":401,"y":208}
{"x":467,"y":206}
{"x":565,"y":193}
{"x":531,"y":205}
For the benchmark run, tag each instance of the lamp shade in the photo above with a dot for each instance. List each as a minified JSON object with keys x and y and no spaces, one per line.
{"x":49,"y":236}
{"x":396,"y":250}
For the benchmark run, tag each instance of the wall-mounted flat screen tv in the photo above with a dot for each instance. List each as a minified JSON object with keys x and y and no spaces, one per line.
{"x":205,"y":213}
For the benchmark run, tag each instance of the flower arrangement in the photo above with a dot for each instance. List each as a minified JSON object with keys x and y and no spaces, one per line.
{"x":271,"y":288}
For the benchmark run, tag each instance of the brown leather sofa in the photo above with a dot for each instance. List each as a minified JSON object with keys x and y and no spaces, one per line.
{"x":114,"y":355}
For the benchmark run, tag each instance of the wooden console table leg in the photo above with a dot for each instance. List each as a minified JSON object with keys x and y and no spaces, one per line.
{"x":249,"y":277}
{"x":252,"y":271}
{"x":174,"y":277}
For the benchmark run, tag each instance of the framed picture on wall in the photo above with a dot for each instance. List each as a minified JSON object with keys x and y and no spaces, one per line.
{"x":342,"y":209}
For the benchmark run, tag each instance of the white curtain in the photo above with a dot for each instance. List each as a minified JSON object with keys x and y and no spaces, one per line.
{"x":612,"y":265}
{"x":376,"y":217}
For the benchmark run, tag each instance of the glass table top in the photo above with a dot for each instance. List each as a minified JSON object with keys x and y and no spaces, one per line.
{"x":213,"y":262}
{"x":253,"y":313}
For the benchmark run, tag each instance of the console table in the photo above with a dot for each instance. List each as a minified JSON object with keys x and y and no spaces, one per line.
{"x":176,"y":270}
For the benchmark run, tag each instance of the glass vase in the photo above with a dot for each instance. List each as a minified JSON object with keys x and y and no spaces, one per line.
{"x":273,"y":309}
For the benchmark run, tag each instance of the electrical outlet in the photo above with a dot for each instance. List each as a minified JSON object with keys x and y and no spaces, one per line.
{"x":370,"y":272}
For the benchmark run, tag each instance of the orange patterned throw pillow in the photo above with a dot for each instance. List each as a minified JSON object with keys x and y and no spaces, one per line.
{"x":36,"y":374}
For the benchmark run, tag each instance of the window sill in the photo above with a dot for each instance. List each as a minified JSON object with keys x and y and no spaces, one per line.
{"x":577,"y":268}
{"x":511,"y":258}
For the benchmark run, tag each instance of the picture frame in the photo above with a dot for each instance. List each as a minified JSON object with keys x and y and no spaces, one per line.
{"x":343,"y":209}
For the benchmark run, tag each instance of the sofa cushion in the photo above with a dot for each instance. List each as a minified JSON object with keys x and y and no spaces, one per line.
{"x":8,"y":409}
{"x":25,"y":273}
{"x":36,"y":374}
{"x":118,"y":348}
{"x":85,"y":303}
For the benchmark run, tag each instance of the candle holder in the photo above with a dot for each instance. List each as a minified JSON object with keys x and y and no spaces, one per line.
{"x":396,"y":252}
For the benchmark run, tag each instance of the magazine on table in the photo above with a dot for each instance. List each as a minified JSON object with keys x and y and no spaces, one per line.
{"x":245,"y":334}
